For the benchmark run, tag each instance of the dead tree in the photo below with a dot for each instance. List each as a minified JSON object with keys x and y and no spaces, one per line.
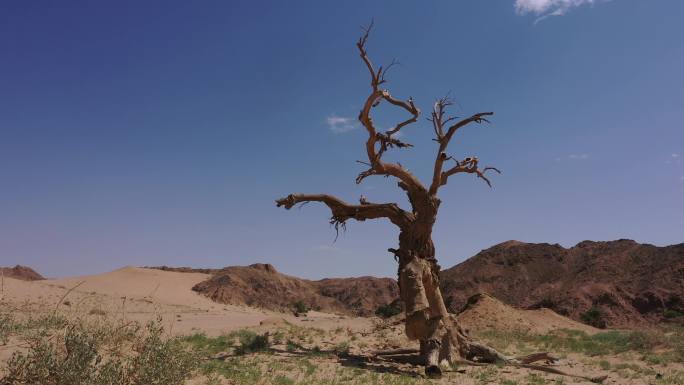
{"x":427,"y":319}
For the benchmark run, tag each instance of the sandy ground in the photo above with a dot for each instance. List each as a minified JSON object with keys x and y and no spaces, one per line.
{"x":490,"y":313}
{"x":140,"y":294}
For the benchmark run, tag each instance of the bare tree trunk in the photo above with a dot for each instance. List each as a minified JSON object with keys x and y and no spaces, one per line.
{"x":427,"y":319}
{"x":418,"y":279}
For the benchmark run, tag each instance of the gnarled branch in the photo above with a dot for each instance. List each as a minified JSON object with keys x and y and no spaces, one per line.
{"x":468,"y":165}
{"x":477,"y":118}
{"x":342,"y":211}
{"x":439,"y":121}
{"x":378,"y":143}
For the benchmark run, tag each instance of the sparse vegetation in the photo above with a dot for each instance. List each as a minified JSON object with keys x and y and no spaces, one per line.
{"x":300,"y":307}
{"x":7,"y":326}
{"x":535,"y":379}
{"x":388,"y":310}
{"x":97,"y":311}
{"x":342,"y":348}
{"x":670,"y":345}
{"x":291,"y":346}
{"x":81,"y":352}
{"x":239,"y":342}
{"x":594,"y":317}
{"x":251,"y":342}
{"x":133,"y":354}
{"x":210,"y":345}
{"x":670,"y":313}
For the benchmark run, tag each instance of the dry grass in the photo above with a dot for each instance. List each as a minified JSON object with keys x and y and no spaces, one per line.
{"x":93,"y":349}
{"x":53,"y":350}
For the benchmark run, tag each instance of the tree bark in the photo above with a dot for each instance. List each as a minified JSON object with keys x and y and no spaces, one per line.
{"x":427,"y":320}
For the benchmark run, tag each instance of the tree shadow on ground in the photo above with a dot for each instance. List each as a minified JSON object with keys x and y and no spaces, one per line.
{"x":386,"y":364}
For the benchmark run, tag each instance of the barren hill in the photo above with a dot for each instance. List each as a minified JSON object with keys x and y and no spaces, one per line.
{"x":21,"y":272}
{"x":261,"y":285}
{"x":629,"y":283}
{"x":483,"y":311}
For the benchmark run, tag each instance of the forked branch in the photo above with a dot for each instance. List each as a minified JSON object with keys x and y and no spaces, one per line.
{"x":468,"y":165}
{"x":379,"y":142}
{"x":444,"y":136}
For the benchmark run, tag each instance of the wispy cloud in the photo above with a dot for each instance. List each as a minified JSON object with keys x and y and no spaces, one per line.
{"x":578,"y":156}
{"x":674,"y":158}
{"x":340,"y":124}
{"x":547,"y":8}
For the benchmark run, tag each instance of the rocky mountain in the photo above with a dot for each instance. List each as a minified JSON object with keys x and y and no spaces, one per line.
{"x":607,"y":284}
{"x":261,"y":285}
{"x":622,"y":282}
{"x":21,"y":272}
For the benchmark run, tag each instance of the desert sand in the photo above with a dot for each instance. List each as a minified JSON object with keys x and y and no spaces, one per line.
{"x":141,"y":294}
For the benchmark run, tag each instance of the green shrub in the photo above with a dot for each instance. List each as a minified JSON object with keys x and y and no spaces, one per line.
{"x":210,"y":345}
{"x":342,"y":348}
{"x":593,"y":317}
{"x":251,"y":342}
{"x":300,"y":307}
{"x":77,"y":357}
{"x":247,"y":342}
{"x":388,"y":310}
{"x":291,"y":346}
{"x":669,"y":313}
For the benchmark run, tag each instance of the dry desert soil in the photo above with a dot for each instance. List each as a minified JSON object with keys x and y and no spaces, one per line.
{"x":234,"y":344}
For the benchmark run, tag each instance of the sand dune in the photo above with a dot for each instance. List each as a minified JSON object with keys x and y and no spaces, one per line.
{"x":164,"y":287}
{"x":487,"y":312}
{"x":143,"y":294}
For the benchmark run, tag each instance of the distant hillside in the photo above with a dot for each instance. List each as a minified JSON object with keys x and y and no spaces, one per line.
{"x":629,"y":283}
{"x":21,"y":272}
{"x":261,"y":285}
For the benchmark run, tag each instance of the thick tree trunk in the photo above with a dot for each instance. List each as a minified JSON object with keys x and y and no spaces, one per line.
{"x":427,"y":319}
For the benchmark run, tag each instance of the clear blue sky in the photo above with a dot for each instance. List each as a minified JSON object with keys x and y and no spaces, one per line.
{"x":146,"y":133}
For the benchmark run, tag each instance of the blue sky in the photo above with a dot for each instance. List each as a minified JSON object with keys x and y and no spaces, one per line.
{"x":147,"y":133}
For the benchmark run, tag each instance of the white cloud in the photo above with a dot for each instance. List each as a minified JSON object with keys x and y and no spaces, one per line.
{"x":340,"y":124}
{"x":674,"y":158}
{"x":556,"y":7}
{"x":578,"y":156}
{"x":547,"y":8}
